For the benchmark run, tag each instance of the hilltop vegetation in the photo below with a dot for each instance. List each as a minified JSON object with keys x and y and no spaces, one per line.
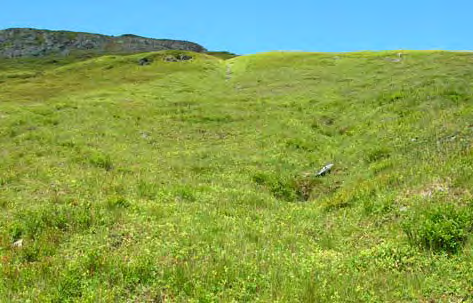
{"x":194,"y":180}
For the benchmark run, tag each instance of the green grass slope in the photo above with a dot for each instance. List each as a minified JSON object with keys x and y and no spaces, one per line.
{"x":194,"y":181}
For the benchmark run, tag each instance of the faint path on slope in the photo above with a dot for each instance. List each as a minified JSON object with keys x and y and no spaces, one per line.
{"x":228,"y":74}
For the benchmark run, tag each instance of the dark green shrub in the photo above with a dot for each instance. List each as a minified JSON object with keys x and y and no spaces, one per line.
{"x":388,"y":256}
{"x":147,"y":190}
{"x":391,"y":97}
{"x":279,"y":187}
{"x":115,"y":202}
{"x":101,"y":160}
{"x":378,"y":154}
{"x":287,"y":188}
{"x":301,"y":144}
{"x":440,"y":228}
{"x":185,"y":193}
{"x":33,"y":223}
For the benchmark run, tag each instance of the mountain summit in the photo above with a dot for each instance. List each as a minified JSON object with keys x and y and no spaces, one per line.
{"x":27,"y":42}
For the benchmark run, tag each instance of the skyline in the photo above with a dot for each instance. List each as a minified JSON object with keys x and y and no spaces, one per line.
{"x":248,"y":27}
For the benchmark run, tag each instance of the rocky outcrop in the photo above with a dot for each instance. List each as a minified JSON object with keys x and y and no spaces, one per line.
{"x":27,"y":42}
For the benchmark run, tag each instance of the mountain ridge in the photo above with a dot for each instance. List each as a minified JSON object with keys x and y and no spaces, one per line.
{"x":30,"y":42}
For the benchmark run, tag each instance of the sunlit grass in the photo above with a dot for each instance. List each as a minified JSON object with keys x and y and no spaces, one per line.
{"x":181,"y":181}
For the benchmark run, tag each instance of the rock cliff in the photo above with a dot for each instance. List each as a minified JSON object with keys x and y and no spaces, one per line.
{"x":27,"y":42}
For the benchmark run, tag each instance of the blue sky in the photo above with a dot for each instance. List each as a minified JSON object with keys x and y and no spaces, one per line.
{"x":255,"y":26}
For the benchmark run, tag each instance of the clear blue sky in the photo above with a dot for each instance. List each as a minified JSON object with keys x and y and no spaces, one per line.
{"x":249,"y":26}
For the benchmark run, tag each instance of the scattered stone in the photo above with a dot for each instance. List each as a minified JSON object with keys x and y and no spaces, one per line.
{"x":449,"y":138}
{"x":184,"y":57}
{"x":144,"y":61}
{"x":434,"y":189}
{"x":326,"y":169}
{"x":145,"y":135}
{"x":403,"y":209}
{"x":177,"y":58}
{"x":170,"y":59}
{"x":18,"y":244}
{"x":398,"y":59}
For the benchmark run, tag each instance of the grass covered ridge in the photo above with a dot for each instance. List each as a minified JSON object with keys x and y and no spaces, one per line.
{"x":188,"y":181}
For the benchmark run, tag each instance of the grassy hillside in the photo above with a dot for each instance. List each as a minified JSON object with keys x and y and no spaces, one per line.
{"x":195,"y":181}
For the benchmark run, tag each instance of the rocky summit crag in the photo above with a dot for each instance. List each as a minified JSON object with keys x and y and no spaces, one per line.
{"x":26,"y":42}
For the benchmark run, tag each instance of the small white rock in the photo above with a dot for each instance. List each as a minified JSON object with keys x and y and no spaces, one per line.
{"x":18,"y":243}
{"x":325,"y":169}
{"x":144,"y":135}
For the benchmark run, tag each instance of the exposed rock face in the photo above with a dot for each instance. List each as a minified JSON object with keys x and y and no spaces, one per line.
{"x":26,"y":42}
{"x":178,"y":58}
{"x":144,"y":61}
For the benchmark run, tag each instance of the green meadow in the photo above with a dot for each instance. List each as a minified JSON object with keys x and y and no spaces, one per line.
{"x":195,"y":181}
